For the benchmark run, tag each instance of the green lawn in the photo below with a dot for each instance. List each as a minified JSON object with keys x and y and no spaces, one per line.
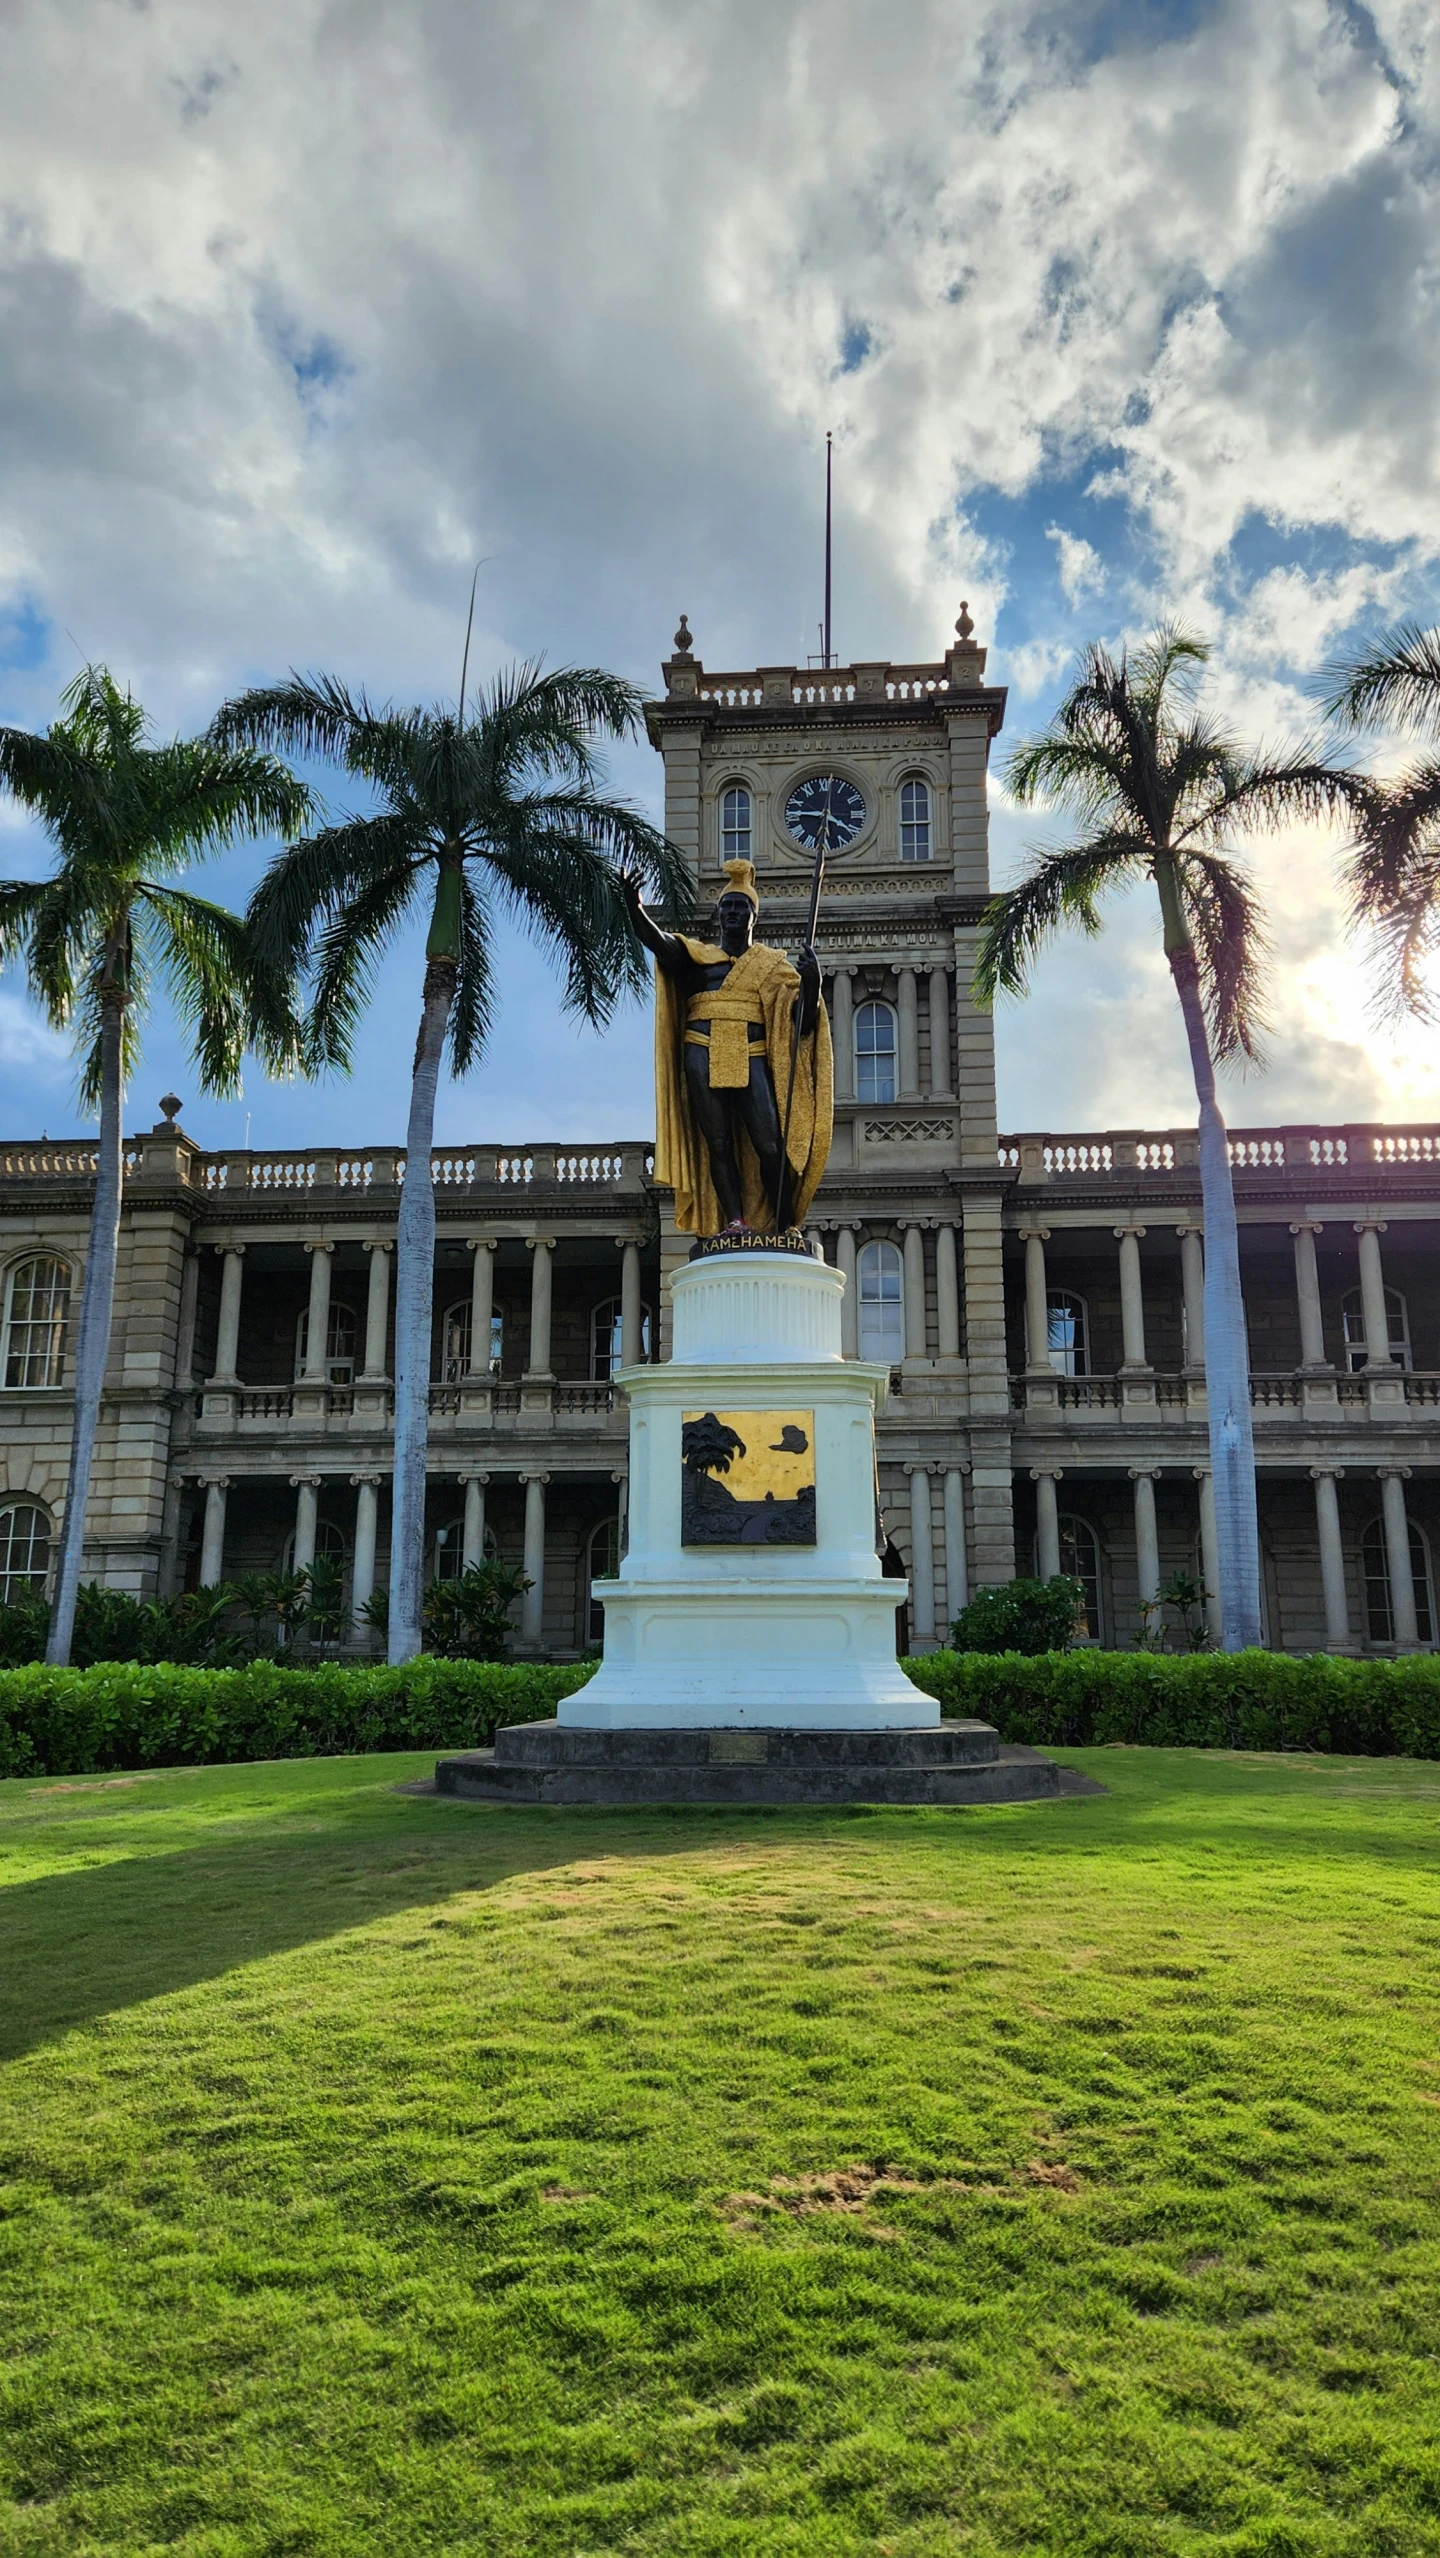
{"x":387,"y":2175}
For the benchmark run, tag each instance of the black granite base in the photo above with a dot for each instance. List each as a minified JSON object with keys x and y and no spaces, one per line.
{"x":950,"y":1762}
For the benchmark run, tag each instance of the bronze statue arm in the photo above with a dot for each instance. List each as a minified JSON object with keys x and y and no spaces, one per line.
{"x":667,"y":949}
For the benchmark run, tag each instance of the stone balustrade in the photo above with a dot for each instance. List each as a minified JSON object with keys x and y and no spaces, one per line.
{"x":1128,"y":1155}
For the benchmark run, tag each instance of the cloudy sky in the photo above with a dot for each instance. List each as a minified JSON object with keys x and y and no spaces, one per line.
{"x":1116,"y":307}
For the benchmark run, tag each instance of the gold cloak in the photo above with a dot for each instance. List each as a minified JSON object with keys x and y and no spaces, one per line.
{"x":681,"y":1159}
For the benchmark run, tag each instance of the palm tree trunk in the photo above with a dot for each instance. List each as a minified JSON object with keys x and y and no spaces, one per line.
{"x":92,"y":1336}
{"x":1227,"y":1354}
{"x":414,"y":1312}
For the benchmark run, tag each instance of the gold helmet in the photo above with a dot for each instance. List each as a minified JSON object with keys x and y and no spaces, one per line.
{"x":740,"y":882}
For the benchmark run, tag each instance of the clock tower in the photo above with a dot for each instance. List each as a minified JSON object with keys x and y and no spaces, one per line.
{"x":891,"y":762}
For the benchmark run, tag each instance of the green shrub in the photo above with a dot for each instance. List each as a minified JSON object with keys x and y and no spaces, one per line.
{"x":1208,"y":1701}
{"x":127,"y":1714}
{"x":1020,"y":1616}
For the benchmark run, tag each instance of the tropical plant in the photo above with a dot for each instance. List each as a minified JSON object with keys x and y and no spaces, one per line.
{"x":113,"y":1625}
{"x":1021,"y":1616}
{"x":498,"y":812}
{"x":468,"y":1619}
{"x":1395,"y":867}
{"x":1160,"y":791}
{"x":325,"y":1598}
{"x":125,"y":816}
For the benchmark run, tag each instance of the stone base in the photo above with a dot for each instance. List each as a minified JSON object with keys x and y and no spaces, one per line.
{"x":940,"y":1763}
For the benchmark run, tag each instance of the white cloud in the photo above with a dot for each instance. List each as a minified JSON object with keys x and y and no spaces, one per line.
{"x":1081,"y":569}
{"x":28,"y":1045}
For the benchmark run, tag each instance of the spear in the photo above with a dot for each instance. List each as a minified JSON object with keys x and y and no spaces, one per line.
{"x":816,"y":884}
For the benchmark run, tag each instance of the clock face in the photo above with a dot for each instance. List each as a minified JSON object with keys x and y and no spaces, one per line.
{"x":825,"y":812}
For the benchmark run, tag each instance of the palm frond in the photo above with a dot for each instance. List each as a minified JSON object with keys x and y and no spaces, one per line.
{"x":308,"y":883}
{"x":1231,"y":946}
{"x":1406,"y":935}
{"x":1393,"y":823}
{"x":1061,"y":889}
{"x":346,"y":955}
{"x":198,"y":797}
{"x":1395,"y":683}
{"x":472,"y":1013}
{"x":219,"y":986}
{"x":89,"y":1000}
{"x":1268,"y":792}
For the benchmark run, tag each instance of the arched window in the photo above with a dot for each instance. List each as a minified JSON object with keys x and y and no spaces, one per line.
{"x":339,"y":1345}
{"x":875,"y":1039}
{"x":24,"y":1549}
{"x":736,"y":813}
{"x":606,"y":1343}
{"x":330,"y":1545}
{"x":1068,"y":1333}
{"x":914,"y":821}
{"x":455,"y":1341}
{"x":881,"y":1276}
{"x":602,"y":1562}
{"x":1397,"y":1317}
{"x":37,"y":1308}
{"x":1375,"y":1565}
{"x":1080,"y":1555}
{"x":447,"y":1561}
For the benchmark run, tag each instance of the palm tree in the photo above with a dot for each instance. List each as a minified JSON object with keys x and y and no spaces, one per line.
{"x":1395,"y":868}
{"x":1159,"y":792}
{"x":498,"y":813}
{"x":123,"y":814}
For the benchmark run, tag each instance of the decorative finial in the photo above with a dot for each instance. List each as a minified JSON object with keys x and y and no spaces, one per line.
{"x":171,"y":1104}
{"x":965,"y":628}
{"x":683,"y":641}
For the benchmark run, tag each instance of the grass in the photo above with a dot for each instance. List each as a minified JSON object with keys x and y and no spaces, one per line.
{"x":389,"y":2175}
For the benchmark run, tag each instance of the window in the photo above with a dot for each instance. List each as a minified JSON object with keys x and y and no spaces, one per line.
{"x":339,"y":1345}
{"x":1068,"y":1333}
{"x":24,"y":1549}
{"x":875,"y":1052}
{"x":329,"y":1543}
{"x":448,"y":1560}
{"x":602,"y":1564}
{"x":605,"y":1339}
{"x":1375,"y":1565}
{"x":881,"y":1276}
{"x":735,"y":823}
{"x":455,"y":1341}
{"x":914,"y":821}
{"x":37,"y":1307}
{"x":1080,"y":1556}
{"x":1397,"y":1318}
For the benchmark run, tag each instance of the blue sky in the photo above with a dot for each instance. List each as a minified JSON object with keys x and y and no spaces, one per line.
{"x":1115,"y":312}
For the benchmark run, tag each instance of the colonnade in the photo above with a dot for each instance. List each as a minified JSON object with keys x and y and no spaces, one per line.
{"x":314,"y":1374}
{"x":849,"y":1232}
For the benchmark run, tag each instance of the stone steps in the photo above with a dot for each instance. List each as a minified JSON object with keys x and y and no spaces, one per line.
{"x":950,"y":1762}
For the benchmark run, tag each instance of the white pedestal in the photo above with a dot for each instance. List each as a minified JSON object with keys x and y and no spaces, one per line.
{"x":766,"y":1635}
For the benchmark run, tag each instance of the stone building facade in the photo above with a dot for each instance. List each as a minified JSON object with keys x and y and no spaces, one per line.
{"x":1037,"y":1297}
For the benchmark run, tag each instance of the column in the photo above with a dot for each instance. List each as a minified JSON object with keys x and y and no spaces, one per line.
{"x":1372,"y":1295}
{"x":922,"y":1560}
{"x":1037,"y":1303}
{"x":212,"y":1542}
{"x":845,"y":1253}
{"x":1332,"y":1557}
{"x":532,"y":1606}
{"x":367,"y":1518}
{"x":1192,"y":1287}
{"x":957,"y":1577}
{"x":537,"y":1363}
{"x":631,"y":1313}
{"x":227,"y":1346}
{"x":942,"y":1081}
{"x":482,"y":1303}
{"x":317,"y":1331}
{"x":1307,"y":1292}
{"x":307,"y":1503}
{"x":185,"y":1329}
{"x":472,"y":1535}
{"x":909,"y":1038}
{"x":843,"y":1034}
{"x":1209,"y":1553}
{"x":621,"y":1480}
{"x":1047,"y":1521}
{"x":947,"y":1293}
{"x":1393,"y":1480}
{"x":915,"y":1342}
{"x":1132,"y":1301}
{"x":1147,"y":1540}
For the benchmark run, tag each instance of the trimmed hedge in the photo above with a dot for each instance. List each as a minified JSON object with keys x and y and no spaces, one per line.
{"x":130,"y":1714}
{"x":1205,"y":1701}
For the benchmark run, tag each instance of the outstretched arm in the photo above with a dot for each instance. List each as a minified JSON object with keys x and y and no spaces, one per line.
{"x":667,"y":949}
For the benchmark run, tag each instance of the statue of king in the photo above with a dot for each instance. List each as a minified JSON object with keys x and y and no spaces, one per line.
{"x":741,"y":1038}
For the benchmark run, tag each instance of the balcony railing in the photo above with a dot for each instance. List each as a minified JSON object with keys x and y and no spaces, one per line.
{"x":1278,"y":1393}
{"x":1362,"y":1147}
